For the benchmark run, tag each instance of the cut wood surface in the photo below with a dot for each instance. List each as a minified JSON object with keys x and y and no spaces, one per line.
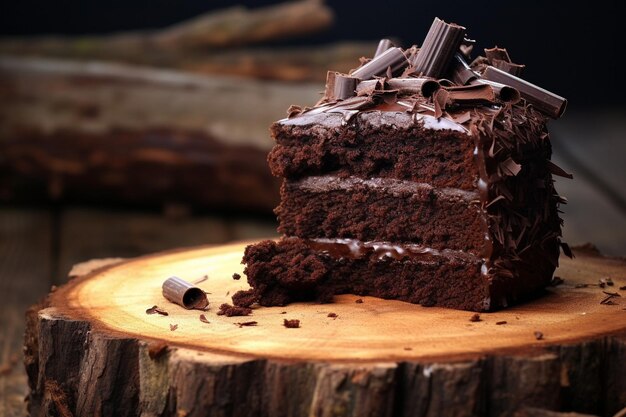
{"x":562,"y":351}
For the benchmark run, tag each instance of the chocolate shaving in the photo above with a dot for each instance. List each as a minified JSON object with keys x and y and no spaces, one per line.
{"x":566,"y":250}
{"x":425,"y":87}
{"x":173,"y":327}
{"x":440,"y":99}
{"x":203,"y":319}
{"x":294,"y":111}
{"x":156,"y":310}
{"x":510,"y":167}
{"x":184,"y":294}
{"x":505,"y":93}
{"x":538,"y":335}
{"x":496,"y":53}
{"x":478,"y":93}
{"x":291,"y":324}
{"x":359,"y":301}
{"x":332,"y":315}
{"x":460,"y":71}
{"x":557,"y":170}
{"x":383,"y":45}
{"x":509,"y":67}
{"x":392,"y":58}
{"x":204,"y":278}
{"x":499,"y":323}
{"x":246,"y":324}
{"x":543,"y":100}
{"x":441,"y":43}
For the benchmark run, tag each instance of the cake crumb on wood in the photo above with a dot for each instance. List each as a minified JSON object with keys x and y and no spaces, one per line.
{"x":291,"y":324}
{"x":231,"y":311}
{"x":475,"y":318}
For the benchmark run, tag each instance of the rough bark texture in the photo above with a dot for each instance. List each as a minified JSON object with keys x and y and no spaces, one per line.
{"x":79,"y":368}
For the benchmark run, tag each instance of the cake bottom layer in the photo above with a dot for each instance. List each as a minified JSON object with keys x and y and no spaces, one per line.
{"x":294,"y":269}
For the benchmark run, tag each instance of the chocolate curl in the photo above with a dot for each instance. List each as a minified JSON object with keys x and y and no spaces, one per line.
{"x":383,"y":45}
{"x":466,"y":48}
{"x":424,"y":86}
{"x":339,"y":86}
{"x":499,"y":58}
{"x":184,"y":294}
{"x":505,"y":93}
{"x":546,"y":102}
{"x":470,"y":94}
{"x":441,"y":43}
{"x":393,"y":58}
{"x":461,"y":73}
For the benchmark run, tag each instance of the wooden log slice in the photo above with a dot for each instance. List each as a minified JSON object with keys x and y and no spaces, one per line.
{"x":93,"y":350}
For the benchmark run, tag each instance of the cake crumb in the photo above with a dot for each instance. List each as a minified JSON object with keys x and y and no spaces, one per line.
{"x":359,"y":301}
{"x":538,"y":335}
{"x":475,"y":318}
{"x":501,"y":322}
{"x":231,"y":311}
{"x":236,"y":276}
{"x":291,"y":324}
{"x":332,"y":315}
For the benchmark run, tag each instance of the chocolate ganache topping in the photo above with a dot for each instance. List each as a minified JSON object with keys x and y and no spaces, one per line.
{"x":504,"y":114}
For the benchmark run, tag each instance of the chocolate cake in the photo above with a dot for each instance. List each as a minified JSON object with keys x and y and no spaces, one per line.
{"x":417,"y":177}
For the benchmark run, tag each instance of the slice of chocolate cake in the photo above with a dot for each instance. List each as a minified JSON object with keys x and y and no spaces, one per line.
{"x":404,"y":185}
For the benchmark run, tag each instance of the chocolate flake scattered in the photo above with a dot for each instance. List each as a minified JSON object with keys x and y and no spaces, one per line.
{"x":236,"y":276}
{"x":291,"y":324}
{"x":392,"y":59}
{"x":332,"y":315}
{"x":622,"y":288}
{"x":232,"y":311}
{"x":501,"y":322}
{"x":359,"y":301}
{"x":156,"y":310}
{"x":608,"y":300}
{"x":203,"y":319}
{"x":173,"y":327}
{"x":246,"y":324}
{"x":475,"y":317}
{"x":156,"y":350}
{"x":538,"y":335}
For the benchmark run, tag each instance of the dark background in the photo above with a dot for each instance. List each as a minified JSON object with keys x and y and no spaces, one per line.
{"x":563,"y":45}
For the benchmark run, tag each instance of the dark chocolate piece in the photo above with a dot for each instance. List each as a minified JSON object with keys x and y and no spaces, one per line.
{"x":383,"y":45}
{"x":236,"y":276}
{"x":393,"y":58}
{"x":184,"y":294}
{"x":339,"y":86}
{"x":203,"y":319}
{"x":476,"y":93}
{"x":435,"y":54}
{"x":497,"y":53}
{"x":543,"y":100}
{"x":246,"y":324}
{"x":460,"y":71}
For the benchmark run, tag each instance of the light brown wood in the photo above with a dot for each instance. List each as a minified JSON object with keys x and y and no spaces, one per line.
{"x":374,"y":358}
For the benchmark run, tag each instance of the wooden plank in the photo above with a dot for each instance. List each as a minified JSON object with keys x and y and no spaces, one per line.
{"x":95,"y":233}
{"x":25,"y":270}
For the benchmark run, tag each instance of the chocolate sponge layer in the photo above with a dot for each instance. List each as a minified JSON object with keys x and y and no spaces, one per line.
{"x":369,"y":148}
{"x":292,"y":270}
{"x":382,"y":209}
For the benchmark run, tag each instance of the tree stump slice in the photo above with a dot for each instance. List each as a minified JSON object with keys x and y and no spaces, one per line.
{"x":91,"y":349}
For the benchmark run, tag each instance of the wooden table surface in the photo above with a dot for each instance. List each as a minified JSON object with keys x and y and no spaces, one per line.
{"x":38,"y":245}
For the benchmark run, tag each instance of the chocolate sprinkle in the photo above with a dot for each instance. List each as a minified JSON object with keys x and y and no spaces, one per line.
{"x":232,"y":311}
